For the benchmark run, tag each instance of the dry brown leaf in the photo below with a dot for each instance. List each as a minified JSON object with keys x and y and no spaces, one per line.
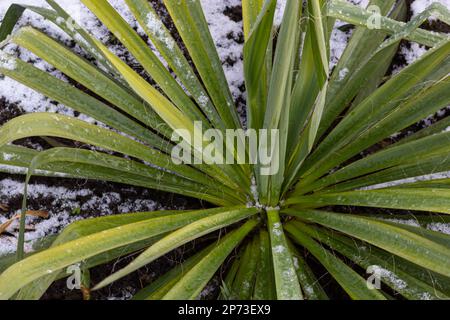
{"x":4,"y":207}
{"x":40,"y":214}
{"x":5,"y":225}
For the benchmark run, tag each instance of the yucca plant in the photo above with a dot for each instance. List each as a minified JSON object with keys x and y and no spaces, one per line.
{"x":280,"y":226}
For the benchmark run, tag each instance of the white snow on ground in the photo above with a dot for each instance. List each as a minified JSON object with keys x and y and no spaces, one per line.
{"x":14,"y":92}
{"x":40,"y":228}
{"x":124,"y":295}
{"x":28,"y":99}
{"x":440,"y":227}
{"x":410,"y":52}
{"x":418,"y":6}
{"x":361,"y":3}
{"x":31,"y":101}
{"x":338,"y":42}
{"x":414,"y":51}
{"x":65,"y":205}
{"x":224,"y":31}
{"x":339,"y":39}
{"x":428,"y":177}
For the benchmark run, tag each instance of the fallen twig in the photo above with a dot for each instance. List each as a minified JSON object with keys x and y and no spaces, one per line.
{"x":40,"y":214}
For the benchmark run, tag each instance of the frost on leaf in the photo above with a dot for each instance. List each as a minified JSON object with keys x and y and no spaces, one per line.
{"x":156,"y":27}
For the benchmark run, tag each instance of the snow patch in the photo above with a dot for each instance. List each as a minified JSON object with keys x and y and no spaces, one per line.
{"x":7,"y":62}
{"x":412,"y":53}
{"x":361,"y":3}
{"x":439,"y":227}
{"x":224,"y":31}
{"x":63,"y":204}
{"x":419,"y":6}
{"x":428,"y":177}
{"x":338,"y":42}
